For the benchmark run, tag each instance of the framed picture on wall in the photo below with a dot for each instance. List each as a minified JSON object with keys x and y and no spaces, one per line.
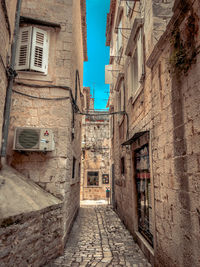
{"x":105,"y":178}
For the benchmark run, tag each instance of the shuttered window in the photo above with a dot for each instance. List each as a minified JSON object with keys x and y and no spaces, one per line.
{"x":23,"y":49}
{"x":32,"y":50}
{"x":136,"y":66}
{"x":119,"y":38}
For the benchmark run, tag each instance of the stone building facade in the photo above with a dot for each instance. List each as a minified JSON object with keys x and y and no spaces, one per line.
{"x":153,"y":72}
{"x":47,"y":93}
{"x":95,"y":178}
{"x":7,"y":11}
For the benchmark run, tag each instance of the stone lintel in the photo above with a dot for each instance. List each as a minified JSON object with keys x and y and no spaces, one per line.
{"x":30,"y":20}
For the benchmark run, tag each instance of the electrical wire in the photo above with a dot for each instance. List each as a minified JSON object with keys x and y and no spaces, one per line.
{"x":42,"y":98}
{"x":75,"y":107}
{"x":44,"y":86}
{"x":132,"y":8}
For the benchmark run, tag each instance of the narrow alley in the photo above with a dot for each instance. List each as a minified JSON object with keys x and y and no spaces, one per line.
{"x":100,"y":133}
{"x":98,"y":238}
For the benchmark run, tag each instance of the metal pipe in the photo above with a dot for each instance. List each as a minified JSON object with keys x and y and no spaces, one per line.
{"x":11,"y":76}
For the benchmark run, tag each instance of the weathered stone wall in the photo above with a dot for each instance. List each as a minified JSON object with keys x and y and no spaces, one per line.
{"x":32,"y":238}
{"x":7,"y":16}
{"x":175,"y":140}
{"x":95,"y":156}
{"x":138,"y":108}
{"x":53,"y":170}
{"x":167,"y":106}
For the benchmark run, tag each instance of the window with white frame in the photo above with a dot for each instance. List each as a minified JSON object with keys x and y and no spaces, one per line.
{"x":32,"y":50}
{"x":119,"y":38}
{"x":120,"y":101}
{"x":136,"y":66}
{"x":121,"y":97}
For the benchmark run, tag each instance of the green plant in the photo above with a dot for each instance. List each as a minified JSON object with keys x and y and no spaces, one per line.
{"x":184,"y":51}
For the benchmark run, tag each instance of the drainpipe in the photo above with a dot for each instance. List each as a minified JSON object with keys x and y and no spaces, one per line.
{"x":11,"y":76}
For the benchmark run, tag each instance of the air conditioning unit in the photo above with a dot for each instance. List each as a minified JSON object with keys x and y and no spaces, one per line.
{"x":33,"y":139}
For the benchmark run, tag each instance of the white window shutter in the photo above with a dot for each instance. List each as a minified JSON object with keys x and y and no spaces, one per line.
{"x":119,"y":36}
{"x":140,"y":54}
{"x":129,"y":79}
{"x":23,"y":49}
{"x":39,"y":50}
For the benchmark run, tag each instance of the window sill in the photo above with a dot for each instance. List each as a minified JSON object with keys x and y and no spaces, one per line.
{"x":92,"y":186}
{"x":33,"y":76}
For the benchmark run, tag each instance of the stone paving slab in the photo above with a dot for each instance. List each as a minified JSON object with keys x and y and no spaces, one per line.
{"x":98,"y":238}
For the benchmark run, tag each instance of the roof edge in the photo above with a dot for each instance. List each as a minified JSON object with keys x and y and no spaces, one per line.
{"x":84,"y":28}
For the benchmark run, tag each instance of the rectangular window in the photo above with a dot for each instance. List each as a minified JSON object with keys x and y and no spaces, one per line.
{"x":93,"y":178}
{"x":143,"y":186}
{"x":136,"y":67}
{"x":105,"y":178}
{"x":119,"y":38}
{"x":32,"y":50}
{"x":122,"y":166}
{"x":79,"y":171}
{"x":73,"y":167}
{"x":134,"y":73}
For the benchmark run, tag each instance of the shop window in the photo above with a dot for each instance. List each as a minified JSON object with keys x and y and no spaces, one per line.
{"x":143,"y":184}
{"x":93,"y":179}
{"x":32,"y":50}
{"x":105,"y":179}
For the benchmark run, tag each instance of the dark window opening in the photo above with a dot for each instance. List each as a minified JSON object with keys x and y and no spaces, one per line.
{"x":93,"y":178}
{"x":122,"y":165}
{"x":73,"y":167}
{"x":79,"y":170}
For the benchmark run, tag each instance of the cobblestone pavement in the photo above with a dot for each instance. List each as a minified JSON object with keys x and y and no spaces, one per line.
{"x":98,"y":238}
